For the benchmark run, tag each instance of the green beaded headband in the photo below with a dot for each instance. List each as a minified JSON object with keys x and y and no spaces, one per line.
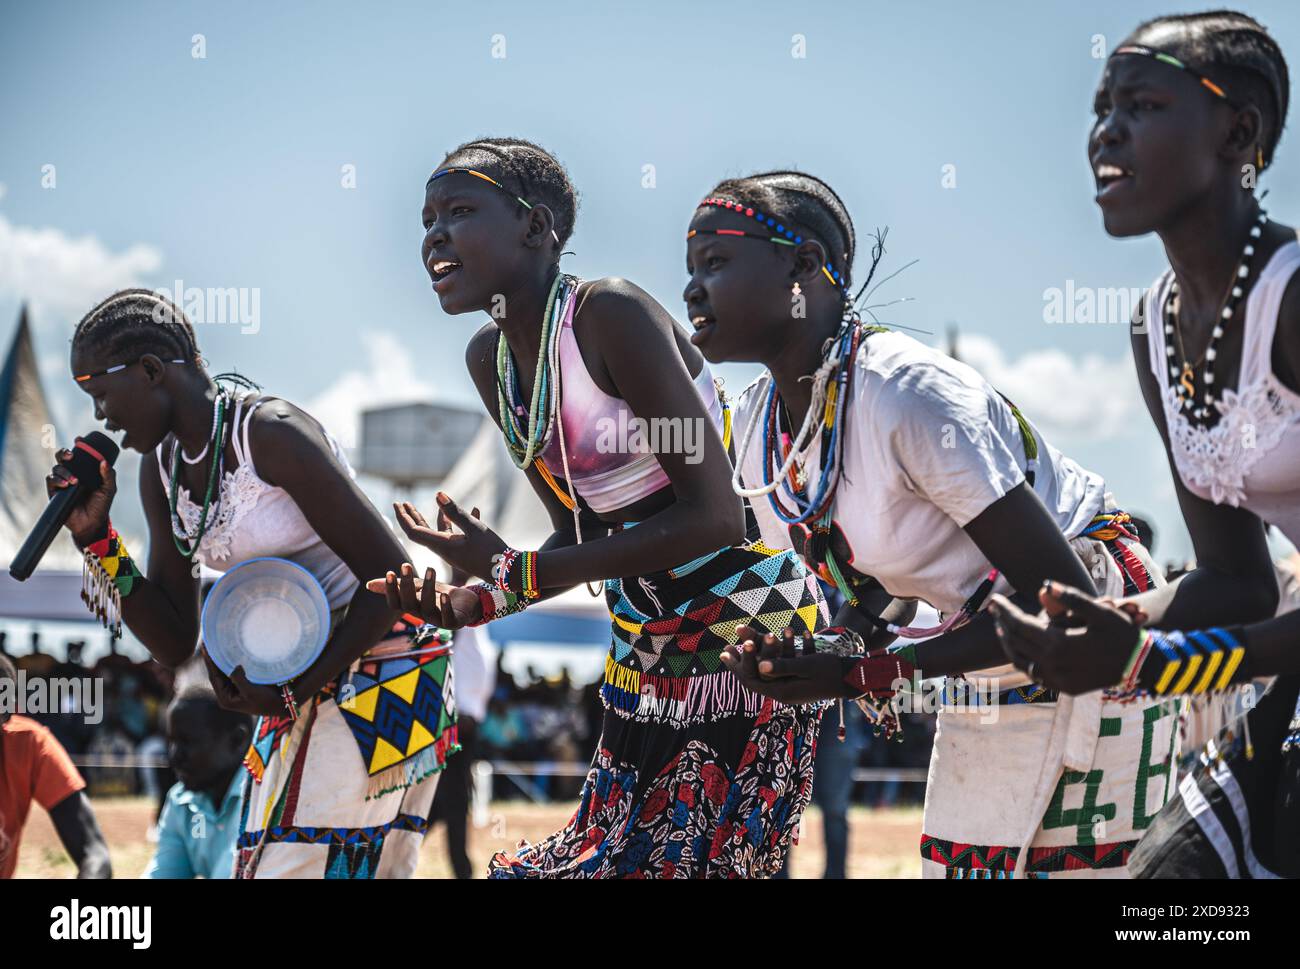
{"x":1173,"y":62}
{"x":490,"y":180}
{"x":1205,"y":81}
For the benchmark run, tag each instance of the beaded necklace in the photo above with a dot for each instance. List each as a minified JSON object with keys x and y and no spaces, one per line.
{"x":783,"y":459}
{"x":186,"y":544}
{"x":528,"y":431}
{"x":1183,"y":380}
{"x":216,"y":402}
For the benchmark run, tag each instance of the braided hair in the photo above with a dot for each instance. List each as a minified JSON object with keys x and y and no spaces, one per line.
{"x":1237,"y":52}
{"x":138,"y":321}
{"x":799,"y":199}
{"x":528,"y":170}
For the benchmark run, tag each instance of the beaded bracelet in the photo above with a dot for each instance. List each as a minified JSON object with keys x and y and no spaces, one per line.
{"x":290,"y":701}
{"x":529,"y":573}
{"x":1209,"y":652}
{"x":876,"y":673}
{"x":501,"y":568}
{"x":1141,"y":650}
{"x":496,"y":603}
{"x":108,"y":575}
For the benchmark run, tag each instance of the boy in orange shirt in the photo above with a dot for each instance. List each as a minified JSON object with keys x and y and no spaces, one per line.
{"x":35,"y":767}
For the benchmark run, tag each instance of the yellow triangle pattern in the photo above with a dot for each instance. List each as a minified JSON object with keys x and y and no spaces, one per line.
{"x":404,"y":685}
{"x":420,"y":738}
{"x":808,"y":614}
{"x":363,"y":704}
{"x":385,"y":755}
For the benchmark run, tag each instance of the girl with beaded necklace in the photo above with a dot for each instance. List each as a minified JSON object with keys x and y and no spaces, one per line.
{"x":227,"y":476}
{"x":1189,"y":111}
{"x":900,"y":475}
{"x":693,"y":776}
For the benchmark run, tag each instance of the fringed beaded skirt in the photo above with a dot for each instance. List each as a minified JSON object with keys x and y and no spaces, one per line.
{"x":345,"y":790}
{"x":694,"y":776}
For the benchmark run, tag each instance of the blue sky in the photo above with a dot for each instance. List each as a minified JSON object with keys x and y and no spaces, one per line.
{"x":225,"y":171}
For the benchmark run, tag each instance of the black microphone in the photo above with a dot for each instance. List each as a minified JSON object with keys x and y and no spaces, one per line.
{"x":84,"y":464}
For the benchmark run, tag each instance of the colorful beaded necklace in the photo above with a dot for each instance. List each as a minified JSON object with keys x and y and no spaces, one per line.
{"x":528,"y":430}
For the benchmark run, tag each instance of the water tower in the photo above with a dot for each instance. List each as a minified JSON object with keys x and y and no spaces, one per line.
{"x":413,"y":446}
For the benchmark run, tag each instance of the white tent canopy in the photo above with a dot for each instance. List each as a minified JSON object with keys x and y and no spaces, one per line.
{"x":27,"y":445}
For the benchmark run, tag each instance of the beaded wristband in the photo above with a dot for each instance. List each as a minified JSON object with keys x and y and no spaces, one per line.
{"x":529,"y":573}
{"x":108,"y":575}
{"x":496,"y":603}
{"x":1215,"y":653}
{"x":876,"y":673}
{"x":1141,"y":650}
{"x":501,"y":570}
{"x":290,"y":701}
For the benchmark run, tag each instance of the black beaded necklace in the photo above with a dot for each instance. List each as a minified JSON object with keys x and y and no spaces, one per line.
{"x":1183,"y":380}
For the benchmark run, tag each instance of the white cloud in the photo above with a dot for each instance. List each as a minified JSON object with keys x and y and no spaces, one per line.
{"x":60,"y":276}
{"x":1082,"y":398}
{"x":390,"y":377}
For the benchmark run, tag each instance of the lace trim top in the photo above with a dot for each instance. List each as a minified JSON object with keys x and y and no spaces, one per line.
{"x":253,"y":519}
{"x":1251,"y":457}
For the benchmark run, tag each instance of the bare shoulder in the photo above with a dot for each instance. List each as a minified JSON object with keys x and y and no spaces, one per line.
{"x":612,"y":310}
{"x":1286,"y":341}
{"x":278,"y":426}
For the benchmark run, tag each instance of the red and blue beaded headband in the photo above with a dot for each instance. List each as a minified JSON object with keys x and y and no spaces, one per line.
{"x":780,"y":234}
{"x":490,"y":180}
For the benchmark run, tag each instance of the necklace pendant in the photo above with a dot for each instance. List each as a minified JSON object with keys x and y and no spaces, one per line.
{"x":1185,"y":381}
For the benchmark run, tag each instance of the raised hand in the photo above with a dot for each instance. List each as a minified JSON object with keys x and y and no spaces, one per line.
{"x":448,"y":606}
{"x":89,"y":519}
{"x":463,"y":540}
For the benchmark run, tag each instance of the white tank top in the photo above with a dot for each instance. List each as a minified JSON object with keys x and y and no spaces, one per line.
{"x":1251,"y":458}
{"x":254,"y":519}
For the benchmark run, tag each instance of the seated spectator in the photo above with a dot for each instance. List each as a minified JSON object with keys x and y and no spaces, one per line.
{"x":34,"y":767}
{"x":199,"y":828}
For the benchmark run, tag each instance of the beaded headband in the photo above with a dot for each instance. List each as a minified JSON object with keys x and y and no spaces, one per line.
{"x":1205,"y":81}
{"x":490,"y":180}
{"x":781,"y":234}
{"x":1173,"y":62}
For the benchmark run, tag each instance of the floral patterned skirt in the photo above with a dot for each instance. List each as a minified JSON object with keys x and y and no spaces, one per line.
{"x":694,"y":776}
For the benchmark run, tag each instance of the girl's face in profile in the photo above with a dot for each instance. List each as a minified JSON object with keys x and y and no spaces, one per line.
{"x":1156,"y":143}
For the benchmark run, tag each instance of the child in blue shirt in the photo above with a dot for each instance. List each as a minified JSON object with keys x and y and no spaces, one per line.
{"x":199,"y":827}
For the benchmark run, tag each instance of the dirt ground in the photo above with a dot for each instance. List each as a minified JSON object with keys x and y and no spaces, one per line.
{"x":883,"y":843}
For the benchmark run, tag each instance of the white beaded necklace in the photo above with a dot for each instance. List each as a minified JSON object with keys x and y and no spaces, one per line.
{"x":212,"y":432}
